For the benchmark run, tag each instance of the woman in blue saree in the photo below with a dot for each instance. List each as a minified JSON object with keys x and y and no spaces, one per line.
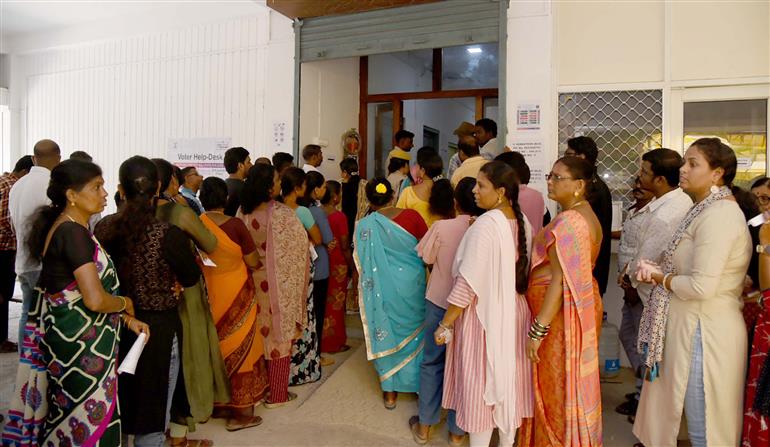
{"x":391,"y":291}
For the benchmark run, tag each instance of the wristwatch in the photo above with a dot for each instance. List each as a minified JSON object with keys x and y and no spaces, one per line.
{"x":763,"y":249}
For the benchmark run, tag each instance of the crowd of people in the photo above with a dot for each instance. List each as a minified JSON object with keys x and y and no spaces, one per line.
{"x":469,"y":293}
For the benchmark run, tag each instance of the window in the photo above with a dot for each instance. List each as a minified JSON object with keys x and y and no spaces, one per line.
{"x":407,"y":71}
{"x":741,"y":124}
{"x":469,"y":66}
{"x":624,"y":124}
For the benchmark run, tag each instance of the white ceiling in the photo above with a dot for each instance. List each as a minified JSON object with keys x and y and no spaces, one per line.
{"x":33,"y":16}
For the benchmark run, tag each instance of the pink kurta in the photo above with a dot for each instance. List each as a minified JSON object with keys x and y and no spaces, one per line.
{"x":466,"y":363}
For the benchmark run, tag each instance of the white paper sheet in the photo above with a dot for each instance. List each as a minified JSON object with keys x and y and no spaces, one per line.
{"x":132,"y":358}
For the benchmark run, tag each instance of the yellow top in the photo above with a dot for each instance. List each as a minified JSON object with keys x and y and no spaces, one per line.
{"x":469,"y":168}
{"x":397,"y":152}
{"x":409,"y":200}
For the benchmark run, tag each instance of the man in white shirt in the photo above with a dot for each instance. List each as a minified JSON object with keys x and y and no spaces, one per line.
{"x":485,"y":132}
{"x":313,"y":156}
{"x":659,"y":173}
{"x":26,"y":196}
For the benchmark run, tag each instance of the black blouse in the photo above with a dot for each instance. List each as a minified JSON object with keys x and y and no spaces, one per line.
{"x":70,"y":248}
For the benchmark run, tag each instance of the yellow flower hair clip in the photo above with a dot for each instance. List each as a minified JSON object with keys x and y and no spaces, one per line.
{"x":381,"y":188}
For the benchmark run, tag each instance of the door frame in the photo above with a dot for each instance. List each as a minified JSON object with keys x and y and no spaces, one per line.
{"x":398,"y":98}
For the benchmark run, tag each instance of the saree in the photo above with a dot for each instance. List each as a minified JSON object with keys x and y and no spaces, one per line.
{"x":566,"y":380}
{"x":334,"y":333}
{"x":392,"y":301}
{"x":205,"y":376}
{"x":66,"y":384}
{"x":281,"y":280}
{"x":232,"y":297}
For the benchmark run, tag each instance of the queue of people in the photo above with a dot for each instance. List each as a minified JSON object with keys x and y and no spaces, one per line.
{"x":469,"y":296}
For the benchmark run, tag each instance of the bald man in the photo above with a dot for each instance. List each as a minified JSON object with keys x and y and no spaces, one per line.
{"x":26,"y":196}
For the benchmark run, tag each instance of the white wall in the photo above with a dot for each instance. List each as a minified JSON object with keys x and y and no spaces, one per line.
{"x":442,"y":114}
{"x":328,"y":108}
{"x":124,"y":96}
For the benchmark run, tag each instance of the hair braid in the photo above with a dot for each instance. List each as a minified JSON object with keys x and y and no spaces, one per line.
{"x":522,"y":263}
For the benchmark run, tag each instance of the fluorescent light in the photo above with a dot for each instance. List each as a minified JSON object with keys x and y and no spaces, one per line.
{"x":474,"y":50}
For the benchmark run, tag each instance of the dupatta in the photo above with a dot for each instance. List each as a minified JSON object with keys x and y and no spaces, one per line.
{"x":391,"y":291}
{"x":288,"y":269}
{"x":483,"y":259}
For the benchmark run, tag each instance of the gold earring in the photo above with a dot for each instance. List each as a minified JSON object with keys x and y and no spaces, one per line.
{"x":499,"y":200}
{"x":72,"y":203}
{"x":576,"y":193}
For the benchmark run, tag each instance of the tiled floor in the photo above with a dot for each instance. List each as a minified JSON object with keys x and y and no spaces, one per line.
{"x":345,"y":408}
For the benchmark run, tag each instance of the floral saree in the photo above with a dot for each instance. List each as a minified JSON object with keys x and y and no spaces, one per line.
{"x":66,"y":384}
{"x":392,"y":301}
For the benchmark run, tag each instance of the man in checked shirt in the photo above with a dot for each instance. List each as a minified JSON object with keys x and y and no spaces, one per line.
{"x":8,"y":249}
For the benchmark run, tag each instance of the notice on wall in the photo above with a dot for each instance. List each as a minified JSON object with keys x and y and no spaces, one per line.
{"x":528,"y":117}
{"x":533,"y":151}
{"x":280,"y":136}
{"x":206,"y":154}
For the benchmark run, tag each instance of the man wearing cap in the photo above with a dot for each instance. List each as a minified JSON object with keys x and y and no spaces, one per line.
{"x":465,"y":129}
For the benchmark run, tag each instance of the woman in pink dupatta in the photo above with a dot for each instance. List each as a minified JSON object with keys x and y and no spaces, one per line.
{"x":282,"y":275}
{"x":487,"y":378}
{"x":564,"y":297}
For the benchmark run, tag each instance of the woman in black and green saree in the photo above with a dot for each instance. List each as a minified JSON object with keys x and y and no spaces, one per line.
{"x":66,"y":389}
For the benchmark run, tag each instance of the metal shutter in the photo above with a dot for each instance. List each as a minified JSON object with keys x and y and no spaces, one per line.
{"x":433,"y":25}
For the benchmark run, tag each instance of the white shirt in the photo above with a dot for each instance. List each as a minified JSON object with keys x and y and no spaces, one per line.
{"x":491,"y":149}
{"x":26,"y":196}
{"x":664,"y":216}
{"x":307,"y":168}
{"x":629,"y":237}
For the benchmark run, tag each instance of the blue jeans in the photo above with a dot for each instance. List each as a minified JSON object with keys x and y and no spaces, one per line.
{"x":432,"y":374}
{"x":158,"y":439}
{"x":695,"y":396}
{"x":28,"y":282}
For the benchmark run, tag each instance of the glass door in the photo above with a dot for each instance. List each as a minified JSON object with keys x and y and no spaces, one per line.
{"x":379,"y":136}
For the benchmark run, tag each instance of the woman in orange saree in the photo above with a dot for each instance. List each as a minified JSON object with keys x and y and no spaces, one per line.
{"x":233,"y":301}
{"x":564,"y":297}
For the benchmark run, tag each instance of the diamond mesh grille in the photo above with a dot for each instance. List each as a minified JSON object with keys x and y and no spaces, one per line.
{"x":624,"y":124}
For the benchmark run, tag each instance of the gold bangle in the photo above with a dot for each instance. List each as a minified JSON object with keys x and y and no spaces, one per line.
{"x":123,"y":300}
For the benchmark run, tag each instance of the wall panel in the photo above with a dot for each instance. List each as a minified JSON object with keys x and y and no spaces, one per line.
{"x":129,"y":96}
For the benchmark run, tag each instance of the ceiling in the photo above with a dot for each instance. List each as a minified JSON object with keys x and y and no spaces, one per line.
{"x":26,"y":16}
{"x":317,"y":8}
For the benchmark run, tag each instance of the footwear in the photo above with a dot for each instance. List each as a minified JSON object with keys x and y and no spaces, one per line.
{"x":235,"y":424}
{"x":343,"y":349}
{"x":455,"y":440}
{"x":414,"y":426}
{"x":326,"y":361}
{"x":8,"y":346}
{"x":628,"y":407}
{"x":390,"y":404}
{"x":270,"y":405}
{"x":631,"y":396}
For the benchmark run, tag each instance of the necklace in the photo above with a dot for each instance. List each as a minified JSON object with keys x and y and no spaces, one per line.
{"x":579,"y":202}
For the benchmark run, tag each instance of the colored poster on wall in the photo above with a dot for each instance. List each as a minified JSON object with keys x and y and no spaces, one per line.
{"x":206,"y":154}
{"x":528,"y":117}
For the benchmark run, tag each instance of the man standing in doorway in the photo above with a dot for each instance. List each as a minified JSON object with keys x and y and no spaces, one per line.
{"x":465,"y":129}
{"x":8,"y":249}
{"x":601,"y":204}
{"x":472,"y":161}
{"x":191,"y":183}
{"x":26,"y":196}
{"x":404,"y":143}
{"x":313,"y":156}
{"x":486,"y":134}
{"x":237,"y":164}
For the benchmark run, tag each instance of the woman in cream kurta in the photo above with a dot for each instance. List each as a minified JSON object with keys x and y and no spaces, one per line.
{"x":711,"y":262}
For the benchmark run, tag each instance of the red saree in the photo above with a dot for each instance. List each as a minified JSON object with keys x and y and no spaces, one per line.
{"x":566,"y":380}
{"x":334,"y":336}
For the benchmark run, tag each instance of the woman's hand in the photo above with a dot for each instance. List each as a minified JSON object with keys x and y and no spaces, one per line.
{"x":532,"y":347}
{"x":129,"y":306}
{"x":138,"y":327}
{"x":177,"y":290}
{"x":438,"y":336}
{"x":648,"y":272}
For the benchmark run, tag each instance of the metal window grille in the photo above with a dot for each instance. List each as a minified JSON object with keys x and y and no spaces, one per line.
{"x":624,"y":124}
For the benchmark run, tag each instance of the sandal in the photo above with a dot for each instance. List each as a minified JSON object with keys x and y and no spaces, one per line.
{"x":414,"y":426}
{"x":8,"y":346}
{"x":270,"y":405}
{"x":389,"y":404}
{"x":456,"y":440}
{"x":235,"y":424}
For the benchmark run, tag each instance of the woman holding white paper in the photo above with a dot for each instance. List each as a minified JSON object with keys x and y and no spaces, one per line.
{"x":151,"y":258}
{"x":73,"y":321}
